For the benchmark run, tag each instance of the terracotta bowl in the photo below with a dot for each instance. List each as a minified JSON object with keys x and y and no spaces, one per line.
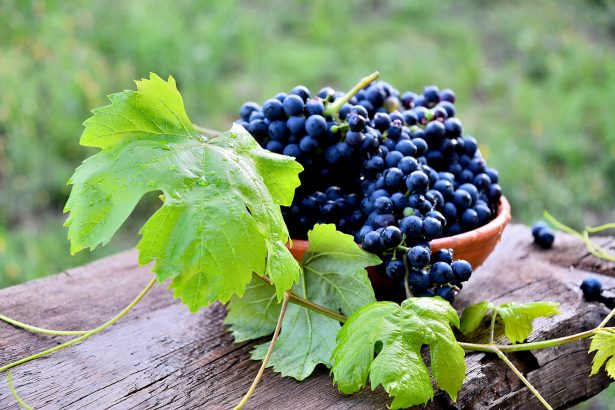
{"x":474,"y":246}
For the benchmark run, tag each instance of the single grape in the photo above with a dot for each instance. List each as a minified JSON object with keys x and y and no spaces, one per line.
{"x":447,"y":293}
{"x":393,"y":178}
{"x":383,"y":205}
{"x":544,"y":238}
{"x":462,"y":270}
{"x":395,"y":269}
{"x":432,"y":228}
{"x":293,"y":105}
{"x":417,"y":182}
{"x":292,"y":150}
{"x":592,"y":289}
{"x":390,"y":237}
{"x":273,"y":109}
{"x":314,"y":107}
{"x":316,"y":126}
{"x":296,"y":125}
{"x":356,"y":122}
{"x":419,"y":281}
{"x":354,"y":138}
{"x":442,"y":255}
{"x":441,"y":272}
{"x":302,"y":91}
{"x":247,"y":109}
{"x":418,"y":256}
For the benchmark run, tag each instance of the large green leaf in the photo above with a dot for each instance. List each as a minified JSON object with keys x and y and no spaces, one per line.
{"x":220,"y":220}
{"x":334,"y":276}
{"x":397,"y":333}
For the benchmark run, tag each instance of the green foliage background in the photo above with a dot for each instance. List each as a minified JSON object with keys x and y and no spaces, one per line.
{"x":535,"y":84}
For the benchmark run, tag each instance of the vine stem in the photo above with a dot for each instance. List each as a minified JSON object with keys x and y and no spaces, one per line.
{"x":334,"y":107}
{"x":42,"y":330}
{"x":86,"y":335}
{"x":520,"y":375}
{"x":276,"y":333}
{"x":23,"y":404}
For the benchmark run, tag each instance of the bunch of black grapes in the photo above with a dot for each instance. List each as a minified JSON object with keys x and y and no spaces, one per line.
{"x":393,"y":169}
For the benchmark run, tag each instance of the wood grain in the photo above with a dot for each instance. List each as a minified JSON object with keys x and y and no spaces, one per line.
{"x":161,"y":356}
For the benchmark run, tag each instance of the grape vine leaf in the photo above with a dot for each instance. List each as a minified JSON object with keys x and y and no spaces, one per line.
{"x":517,"y":317}
{"x":400,"y":332}
{"x":220,"y":220}
{"x":334,"y":276}
{"x":603,"y":343}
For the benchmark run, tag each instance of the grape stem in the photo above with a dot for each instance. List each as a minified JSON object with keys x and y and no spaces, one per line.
{"x":86,"y":335}
{"x":276,"y":333}
{"x":333,"y":108}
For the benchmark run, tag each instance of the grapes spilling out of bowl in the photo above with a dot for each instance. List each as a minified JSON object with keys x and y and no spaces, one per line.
{"x":396,"y":170}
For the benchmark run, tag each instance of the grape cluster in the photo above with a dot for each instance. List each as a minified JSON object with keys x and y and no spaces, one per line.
{"x":393,"y":169}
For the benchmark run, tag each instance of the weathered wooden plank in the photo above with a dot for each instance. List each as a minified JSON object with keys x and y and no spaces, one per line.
{"x":161,"y":356}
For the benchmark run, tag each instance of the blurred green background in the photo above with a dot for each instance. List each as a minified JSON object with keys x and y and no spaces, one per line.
{"x":535,"y":84}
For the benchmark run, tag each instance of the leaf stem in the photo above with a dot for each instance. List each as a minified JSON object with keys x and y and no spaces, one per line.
{"x":298,"y":300}
{"x":502,"y":356}
{"x":86,"y":335}
{"x":19,"y":400}
{"x":333,"y":108}
{"x":276,"y":333}
{"x":42,"y":330}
